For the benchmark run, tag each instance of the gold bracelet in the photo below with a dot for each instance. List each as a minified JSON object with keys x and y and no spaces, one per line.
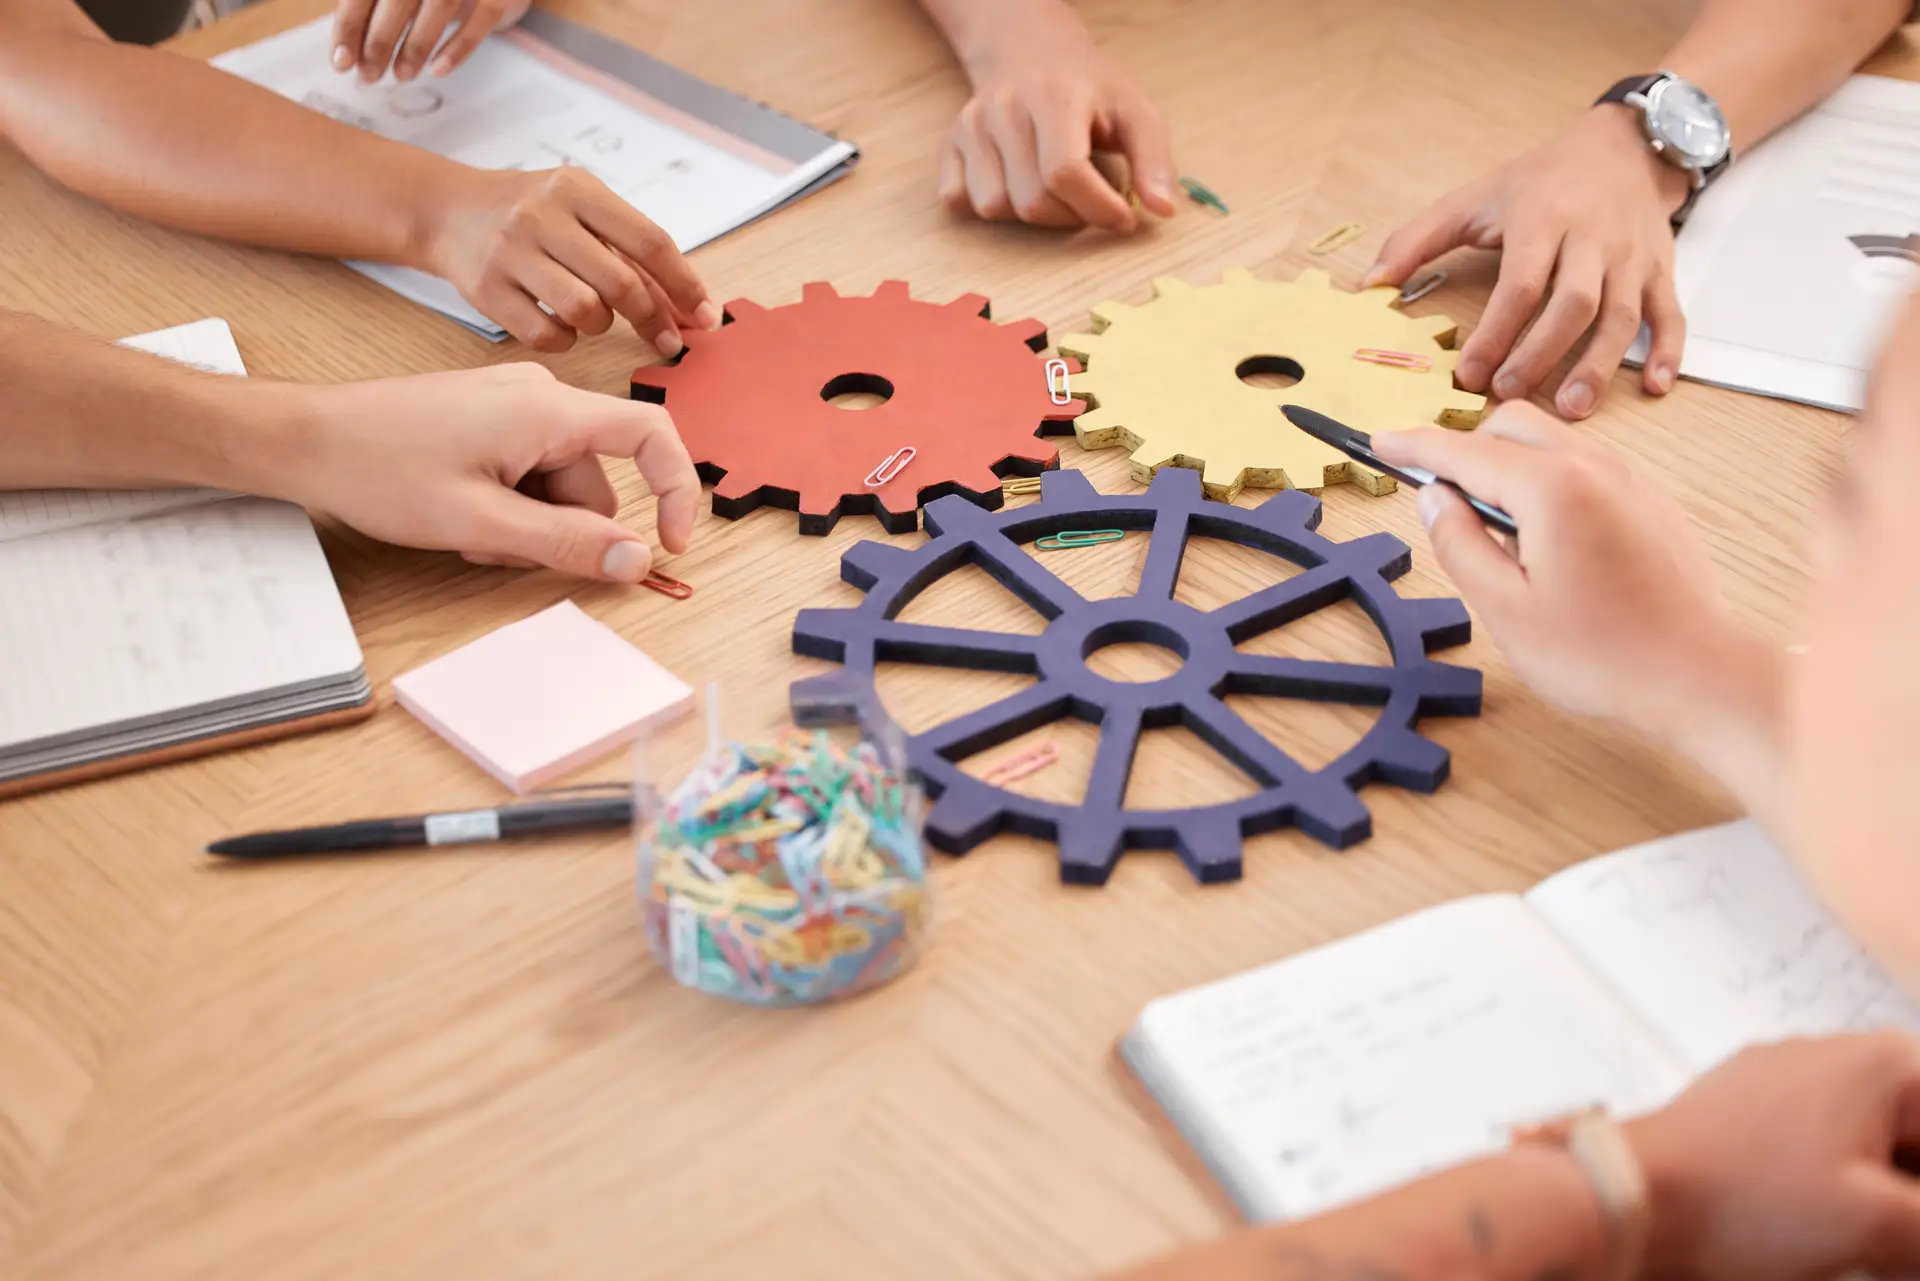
{"x":1599,"y":1147}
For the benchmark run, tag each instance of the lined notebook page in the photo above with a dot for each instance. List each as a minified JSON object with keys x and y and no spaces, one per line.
{"x":205,"y":344}
{"x":1717,"y":943}
{"x":1341,"y":1072}
{"x":109,"y":624}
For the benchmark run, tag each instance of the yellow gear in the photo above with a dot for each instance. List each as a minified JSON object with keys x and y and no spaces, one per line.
{"x":1163,"y":379}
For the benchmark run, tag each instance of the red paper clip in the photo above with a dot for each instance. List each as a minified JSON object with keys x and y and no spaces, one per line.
{"x":667,"y":586}
{"x":892,"y":465}
{"x":1397,"y":359}
{"x":1021,"y":764}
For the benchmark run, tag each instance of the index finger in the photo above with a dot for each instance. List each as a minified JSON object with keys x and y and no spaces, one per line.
{"x":349,"y":31}
{"x":1501,"y":471}
{"x":1064,"y":145}
{"x":646,"y":434}
{"x":635,"y":235}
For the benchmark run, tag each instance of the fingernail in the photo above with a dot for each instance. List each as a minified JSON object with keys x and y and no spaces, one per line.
{"x":707,"y":316}
{"x":1506,"y":387}
{"x":626,"y":562}
{"x":1576,"y":401}
{"x":405,"y":72}
{"x":1428,"y":503}
{"x":1157,"y":190}
{"x":342,"y":58}
{"x":1662,"y":379}
{"x":443,"y":66}
{"x":1376,"y":275}
{"x":1470,"y":371}
{"x":669,"y":343}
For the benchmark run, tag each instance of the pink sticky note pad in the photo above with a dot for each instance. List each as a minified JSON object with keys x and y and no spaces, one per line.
{"x":543,"y":696}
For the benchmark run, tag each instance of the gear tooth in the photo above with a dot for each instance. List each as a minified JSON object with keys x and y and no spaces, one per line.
{"x":1326,"y":809}
{"x":1210,"y":845}
{"x":1166,"y":285}
{"x":1079,"y":347}
{"x":1237,"y":276}
{"x":1290,"y":511}
{"x":817,"y":291}
{"x":1029,"y":331}
{"x":952,"y":514}
{"x":894,"y":290}
{"x":1096,"y":429}
{"x":831,"y":698}
{"x":1447,"y":689}
{"x":1090,"y":845}
{"x":1223,"y":480}
{"x":964,"y":816}
{"x":1105,"y":313}
{"x":1068,"y":486}
{"x":1031,"y":449}
{"x":1406,"y":759}
{"x":1442,"y":329}
{"x":740,"y":309}
{"x":1461,"y":410}
{"x":1176,"y":484}
{"x":735,"y":484}
{"x":972,"y":305}
{"x":1384,"y":553}
{"x":650,"y":383}
{"x":822,"y":633}
{"x":1441,"y":622}
{"x":865,"y":564}
{"x":1367,"y":480}
{"x":1313,"y":278}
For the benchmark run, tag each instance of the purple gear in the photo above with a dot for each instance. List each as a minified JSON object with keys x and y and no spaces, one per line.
{"x":1092,"y":835}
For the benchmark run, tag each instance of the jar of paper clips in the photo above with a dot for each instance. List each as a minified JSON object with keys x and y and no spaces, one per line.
{"x":783,"y":869}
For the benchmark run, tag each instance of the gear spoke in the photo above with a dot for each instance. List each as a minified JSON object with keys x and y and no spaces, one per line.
{"x":1166,"y":548}
{"x":1113,"y":762}
{"x":994,"y":724}
{"x":1228,"y":733}
{"x":897,"y":642}
{"x":1280,"y":604}
{"x":1360,"y":684}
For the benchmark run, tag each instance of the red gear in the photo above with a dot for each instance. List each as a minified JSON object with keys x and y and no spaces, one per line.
{"x":751,"y":401}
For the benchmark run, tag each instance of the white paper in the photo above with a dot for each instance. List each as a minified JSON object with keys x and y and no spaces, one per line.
{"x":1779,"y":298}
{"x":506,"y":108}
{"x":205,"y":344}
{"x":1333,"y":1075}
{"x":1716,"y":943}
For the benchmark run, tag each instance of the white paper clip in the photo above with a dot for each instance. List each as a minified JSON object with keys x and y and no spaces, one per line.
{"x":1058,"y":389}
{"x":1418,"y":289}
{"x":891,"y":466}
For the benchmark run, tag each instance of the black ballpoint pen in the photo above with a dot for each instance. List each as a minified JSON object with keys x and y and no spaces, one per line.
{"x":1358,"y":446}
{"x":530,"y":818}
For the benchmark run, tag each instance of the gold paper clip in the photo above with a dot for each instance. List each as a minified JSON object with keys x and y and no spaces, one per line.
{"x":1415,"y":290}
{"x":1069,"y":538}
{"x":1020,"y":764}
{"x":892,"y":465}
{"x":1345,"y":234}
{"x":667,"y":586}
{"x":1397,"y":359}
{"x":1057,"y":389}
{"x":1020,"y":485}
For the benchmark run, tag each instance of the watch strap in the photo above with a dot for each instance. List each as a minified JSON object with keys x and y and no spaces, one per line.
{"x":1606,"y":1159}
{"x":1632,"y":84}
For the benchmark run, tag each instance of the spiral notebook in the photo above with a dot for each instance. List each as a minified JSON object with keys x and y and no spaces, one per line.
{"x":697,"y":159}
{"x":1336,"y":1074}
{"x":149,"y":625}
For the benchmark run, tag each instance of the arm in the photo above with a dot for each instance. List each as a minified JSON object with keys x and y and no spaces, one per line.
{"x":1583,"y":221}
{"x":501,"y":464}
{"x":1044,"y":101}
{"x":1608,"y":606}
{"x":180,"y":143}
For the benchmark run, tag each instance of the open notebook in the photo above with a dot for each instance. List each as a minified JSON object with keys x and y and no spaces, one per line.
{"x":697,"y":159}
{"x":143,"y":625}
{"x":1335,"y":1074}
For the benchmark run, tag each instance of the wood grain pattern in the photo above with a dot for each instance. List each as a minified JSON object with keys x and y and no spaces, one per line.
{"x":464,"y":1063}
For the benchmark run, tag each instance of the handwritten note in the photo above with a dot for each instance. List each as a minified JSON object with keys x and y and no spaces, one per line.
{"x":1716,"y":941}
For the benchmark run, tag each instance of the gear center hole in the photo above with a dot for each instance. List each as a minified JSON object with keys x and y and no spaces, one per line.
{"x":1134,"y":653}
{"x":1269,"y":371}
{"x":856,"y":391}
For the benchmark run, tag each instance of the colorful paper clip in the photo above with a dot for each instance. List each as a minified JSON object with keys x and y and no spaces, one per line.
{"x":1415,"y":290}
{"x":1020,"y":485}
{"x":1020,"y":764}
{"x":667,"y":586}
{"x":892,"y":465}
{"x":1397,"y":359}
{"x":1057,"y":389}
{"x":1069,"y":538}
{"x":1345,"y":234}
{"x":1201,"y":194}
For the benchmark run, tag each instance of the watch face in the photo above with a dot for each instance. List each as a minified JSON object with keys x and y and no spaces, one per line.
{"x":1688,"y":121}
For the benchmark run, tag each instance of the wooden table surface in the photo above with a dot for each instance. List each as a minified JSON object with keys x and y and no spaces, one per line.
{"x":466,"y":1064}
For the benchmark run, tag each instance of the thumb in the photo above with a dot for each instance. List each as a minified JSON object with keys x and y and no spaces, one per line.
{"x":1142,"y":138}
{"x":572,"y":540}
{"x":1419,"y":242}
{"x":1486,"y":574}
{"x":1891,"y":1206}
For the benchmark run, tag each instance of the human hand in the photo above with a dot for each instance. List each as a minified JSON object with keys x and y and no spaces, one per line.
{"x":1583,"y":228}
{"x":1044,"y":100}
{"x":510,"y":239}
{"x":1607,"y":605}
{"x":500,"y":464}
{"x":370,"y":35}
{"x":1779,"y":1164}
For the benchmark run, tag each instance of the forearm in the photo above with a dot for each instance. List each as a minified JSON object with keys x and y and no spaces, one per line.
{"x":977,"y":30}
{"x":84,"y":413}
{"x":1723,"y":706}
{"x":1766,"y":61}
{"x":180,"y":143}
{"x":1523,"y":1215}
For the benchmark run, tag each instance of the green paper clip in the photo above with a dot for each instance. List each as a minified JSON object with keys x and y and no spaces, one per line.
{"x":1070,"y":538}
{"x":1201,"y":194}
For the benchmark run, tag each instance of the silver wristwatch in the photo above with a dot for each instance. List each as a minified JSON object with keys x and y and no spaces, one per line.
{"x":1684,"y":126}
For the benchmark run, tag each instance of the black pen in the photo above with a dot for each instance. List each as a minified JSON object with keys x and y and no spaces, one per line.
{"x":462,"y":827}
{"x":1358,"y":446}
